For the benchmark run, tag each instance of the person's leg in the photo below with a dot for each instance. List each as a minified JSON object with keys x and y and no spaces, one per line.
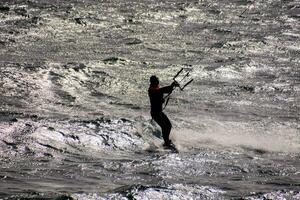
{"x":166,"y":129}
{"x":163,"y":121}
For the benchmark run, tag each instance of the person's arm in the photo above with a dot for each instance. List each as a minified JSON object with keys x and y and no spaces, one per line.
{"x":169,"y":89}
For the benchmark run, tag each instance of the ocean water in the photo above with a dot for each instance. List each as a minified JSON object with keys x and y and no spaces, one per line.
{"x":74,"y":110}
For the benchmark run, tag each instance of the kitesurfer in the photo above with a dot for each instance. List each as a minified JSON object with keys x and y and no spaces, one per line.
{"x":156,"y":95}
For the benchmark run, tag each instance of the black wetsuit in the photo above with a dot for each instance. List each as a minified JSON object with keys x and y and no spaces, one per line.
{"x":156,"y":100}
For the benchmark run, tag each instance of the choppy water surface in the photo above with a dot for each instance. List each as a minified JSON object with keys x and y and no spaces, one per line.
{"x":75,"y":121}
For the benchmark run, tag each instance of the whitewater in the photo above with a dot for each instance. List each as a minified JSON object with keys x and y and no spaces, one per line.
{"x":74,"y":109}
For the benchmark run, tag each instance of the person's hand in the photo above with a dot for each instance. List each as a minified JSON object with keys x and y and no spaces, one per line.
{"x":175,"y":84}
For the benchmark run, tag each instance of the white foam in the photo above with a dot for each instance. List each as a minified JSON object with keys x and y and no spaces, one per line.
{"x":291,"y":34}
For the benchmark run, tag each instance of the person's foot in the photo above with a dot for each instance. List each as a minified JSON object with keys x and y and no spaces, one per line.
{"x":168,"y":144}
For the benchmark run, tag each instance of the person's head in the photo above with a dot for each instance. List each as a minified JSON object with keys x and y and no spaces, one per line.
{"x":154,"y":80}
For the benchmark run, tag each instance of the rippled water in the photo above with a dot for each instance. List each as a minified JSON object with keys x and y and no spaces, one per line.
{"x":74,"y":118}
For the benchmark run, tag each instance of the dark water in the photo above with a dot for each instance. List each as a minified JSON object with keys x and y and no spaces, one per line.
{"x":74,"y":118}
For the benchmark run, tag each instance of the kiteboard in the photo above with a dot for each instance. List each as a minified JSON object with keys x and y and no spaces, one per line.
{"x":171,"y":148}
{"x":160,"y":149}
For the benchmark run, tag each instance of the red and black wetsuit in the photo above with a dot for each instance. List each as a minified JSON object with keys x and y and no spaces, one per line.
{"x":156,"y":95}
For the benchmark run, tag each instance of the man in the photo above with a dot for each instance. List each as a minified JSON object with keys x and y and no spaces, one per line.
{"x":156,"y":95}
